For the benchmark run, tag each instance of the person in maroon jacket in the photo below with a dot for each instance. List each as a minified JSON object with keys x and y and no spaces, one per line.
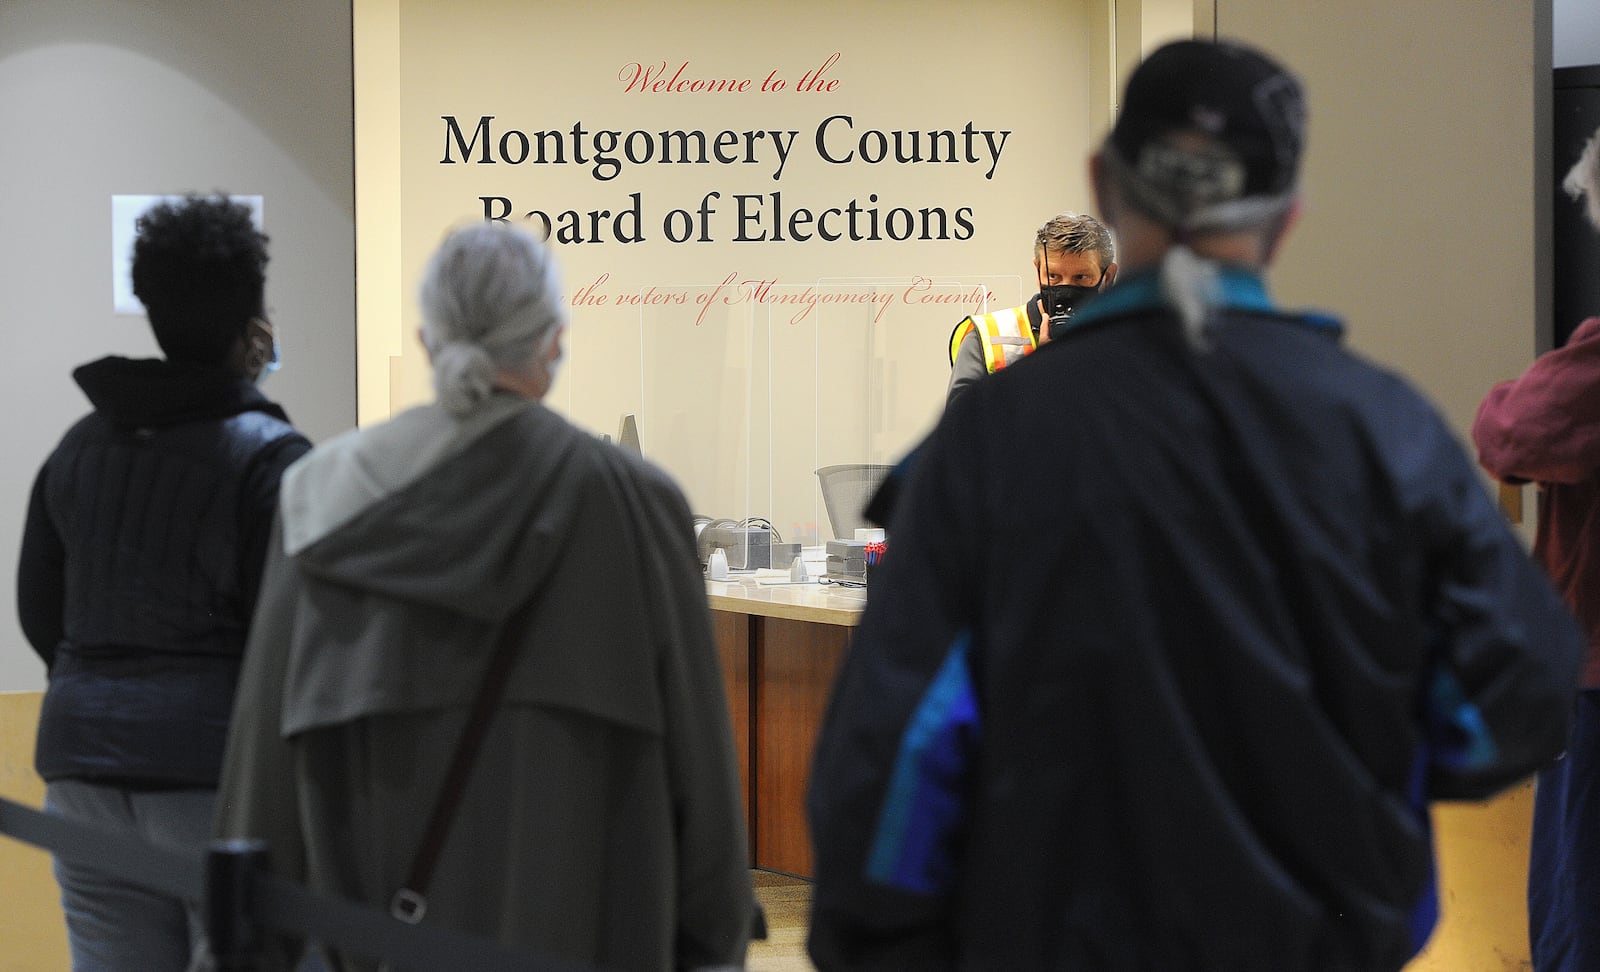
{"x":1544,"y":427}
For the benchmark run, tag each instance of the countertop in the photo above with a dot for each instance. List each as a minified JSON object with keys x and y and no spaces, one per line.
{"x":768,"y":593}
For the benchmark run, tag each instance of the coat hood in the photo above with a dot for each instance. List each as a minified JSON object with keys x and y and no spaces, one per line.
{"x":405,"y":509}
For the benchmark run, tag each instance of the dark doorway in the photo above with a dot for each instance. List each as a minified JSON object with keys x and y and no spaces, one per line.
{"x":1576,"y":276}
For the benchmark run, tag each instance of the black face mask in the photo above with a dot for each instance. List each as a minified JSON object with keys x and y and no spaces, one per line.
{"x":1062,"y":300}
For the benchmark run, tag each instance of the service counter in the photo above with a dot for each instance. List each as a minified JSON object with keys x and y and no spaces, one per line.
{"x":781,"y":646}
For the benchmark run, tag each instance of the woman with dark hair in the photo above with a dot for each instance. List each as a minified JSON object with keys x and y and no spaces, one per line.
{"x":140,"y":560}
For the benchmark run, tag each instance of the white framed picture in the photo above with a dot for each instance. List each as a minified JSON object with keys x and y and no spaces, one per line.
{"x":125,"y":213}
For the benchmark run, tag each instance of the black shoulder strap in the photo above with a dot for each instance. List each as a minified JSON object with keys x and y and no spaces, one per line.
{"x":410,"y":902}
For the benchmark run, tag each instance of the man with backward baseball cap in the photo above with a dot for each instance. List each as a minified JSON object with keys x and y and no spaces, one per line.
{"x":1192,"y":716}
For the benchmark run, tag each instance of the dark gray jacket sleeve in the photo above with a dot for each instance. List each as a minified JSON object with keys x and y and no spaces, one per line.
{"x":968,"y":366}
{"x":258,"y":796}
{"x":716,"y":901}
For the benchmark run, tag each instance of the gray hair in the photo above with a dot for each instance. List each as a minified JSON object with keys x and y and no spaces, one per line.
{"x":490,"y":302}
{"x":1584,"y":179}
{"x":1075,"y":233}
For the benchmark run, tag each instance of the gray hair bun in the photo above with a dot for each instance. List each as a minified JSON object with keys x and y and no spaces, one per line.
{"x":463,"y":375}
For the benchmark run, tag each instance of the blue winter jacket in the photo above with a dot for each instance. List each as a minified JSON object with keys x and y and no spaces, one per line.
{"x":1171,"y":685}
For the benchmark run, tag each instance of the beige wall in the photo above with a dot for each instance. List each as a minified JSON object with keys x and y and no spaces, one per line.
{"x":744,"y":402}
{"x":1422,"y":180}
{"x":1144,"y":25}
{"x":1385,"y":241}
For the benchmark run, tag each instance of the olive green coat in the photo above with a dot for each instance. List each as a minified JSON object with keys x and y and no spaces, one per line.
{"x":602,"y":822}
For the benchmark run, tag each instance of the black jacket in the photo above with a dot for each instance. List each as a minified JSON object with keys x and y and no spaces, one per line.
{"x":1184,"y":709}
{"x":140,"y":560}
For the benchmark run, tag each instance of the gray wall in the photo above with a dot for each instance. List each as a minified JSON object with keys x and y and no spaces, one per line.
{"x":104,"y":97}
{"x":1577,"y":33}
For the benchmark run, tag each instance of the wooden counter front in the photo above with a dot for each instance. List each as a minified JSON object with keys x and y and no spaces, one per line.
{"x":781,"y":647}
{"x":792,"y":680}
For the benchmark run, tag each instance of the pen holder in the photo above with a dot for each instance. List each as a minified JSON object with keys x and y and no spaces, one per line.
{"x":872,"y":554}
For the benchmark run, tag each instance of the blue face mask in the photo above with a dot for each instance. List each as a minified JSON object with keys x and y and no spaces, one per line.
{"x":274,"y":360}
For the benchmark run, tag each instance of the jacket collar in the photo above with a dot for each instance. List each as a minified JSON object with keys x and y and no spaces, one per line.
{"x":146,"y":392}
{"x":1239,"y":289}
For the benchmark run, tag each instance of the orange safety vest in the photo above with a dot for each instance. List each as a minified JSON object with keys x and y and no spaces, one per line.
{"x":1006,"y":336}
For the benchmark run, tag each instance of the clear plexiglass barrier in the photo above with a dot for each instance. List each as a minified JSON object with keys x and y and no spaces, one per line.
{"x":778,"y":407}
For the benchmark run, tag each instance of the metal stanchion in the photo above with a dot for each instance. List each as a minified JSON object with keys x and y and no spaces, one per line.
{"x":231,"y":869}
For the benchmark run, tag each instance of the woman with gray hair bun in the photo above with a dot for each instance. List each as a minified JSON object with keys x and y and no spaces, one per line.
{"x":600,"y":822}
{"x":491,"y":309}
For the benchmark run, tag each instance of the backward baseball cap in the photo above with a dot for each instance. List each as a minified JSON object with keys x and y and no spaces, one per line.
{"x":1209,"y":135}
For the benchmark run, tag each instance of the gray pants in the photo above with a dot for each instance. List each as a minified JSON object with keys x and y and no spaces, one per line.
{"x":113,"y":925}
